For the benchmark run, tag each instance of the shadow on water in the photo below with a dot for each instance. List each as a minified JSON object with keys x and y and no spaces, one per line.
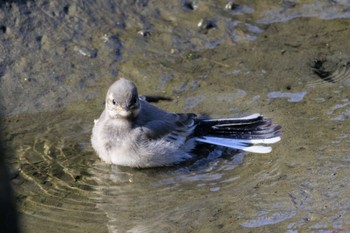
{"x":8,"y":213}
{"x":9,"y":220}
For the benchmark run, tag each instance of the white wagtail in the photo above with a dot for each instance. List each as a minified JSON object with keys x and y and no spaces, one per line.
{"x":132,"y":132}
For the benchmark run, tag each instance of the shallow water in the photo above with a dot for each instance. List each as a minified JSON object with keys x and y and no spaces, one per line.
{"x":285,"y":59}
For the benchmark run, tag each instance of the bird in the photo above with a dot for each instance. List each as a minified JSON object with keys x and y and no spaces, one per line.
{"x":135,"y":133}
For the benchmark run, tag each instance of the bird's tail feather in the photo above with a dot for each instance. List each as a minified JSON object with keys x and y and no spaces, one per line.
{"x":254,"y":145}
{"x":250,"y":133}
{"x":251,"y":127}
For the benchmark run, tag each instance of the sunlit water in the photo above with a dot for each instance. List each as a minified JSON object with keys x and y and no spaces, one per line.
{"x":285,"y":59}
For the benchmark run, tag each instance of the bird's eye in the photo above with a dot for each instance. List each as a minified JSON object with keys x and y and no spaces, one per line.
{"x":114,"y":102}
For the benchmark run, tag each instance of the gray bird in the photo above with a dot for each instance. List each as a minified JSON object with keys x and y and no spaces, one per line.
{"x":132,"y":132}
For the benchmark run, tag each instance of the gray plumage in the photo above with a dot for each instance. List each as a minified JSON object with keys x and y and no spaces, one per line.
{"x":132,"y":132}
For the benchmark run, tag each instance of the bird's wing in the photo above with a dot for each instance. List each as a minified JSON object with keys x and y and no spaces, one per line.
{"x":174,"y":128}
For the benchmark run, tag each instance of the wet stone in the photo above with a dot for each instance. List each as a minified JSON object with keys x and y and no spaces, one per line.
{"x":66,"y":9}
{"x":206,"y":24}
{"x":232,"y":6}
{"x":3,"y":29}
{"x":88,"y":52}
{"x":144,"y":33}
{"x":188,"y":5}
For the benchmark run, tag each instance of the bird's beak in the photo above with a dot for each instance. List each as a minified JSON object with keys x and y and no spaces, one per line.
{"x":122,"y":107}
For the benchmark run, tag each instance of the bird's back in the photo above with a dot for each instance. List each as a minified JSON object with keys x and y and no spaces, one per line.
{"x":150,"y":112}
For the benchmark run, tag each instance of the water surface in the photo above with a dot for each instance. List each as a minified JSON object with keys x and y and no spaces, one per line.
{"x":286,"y":59}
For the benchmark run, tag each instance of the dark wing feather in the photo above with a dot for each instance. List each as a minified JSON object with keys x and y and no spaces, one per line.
{"x":252,"y":127}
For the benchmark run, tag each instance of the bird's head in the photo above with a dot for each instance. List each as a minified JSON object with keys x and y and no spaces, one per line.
{"x":122,"y":100}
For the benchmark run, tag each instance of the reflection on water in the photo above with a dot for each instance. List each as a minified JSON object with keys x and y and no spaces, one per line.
{"x":263,"y":218}
{"x":57,"y":61}
{"x":292,"y":97}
